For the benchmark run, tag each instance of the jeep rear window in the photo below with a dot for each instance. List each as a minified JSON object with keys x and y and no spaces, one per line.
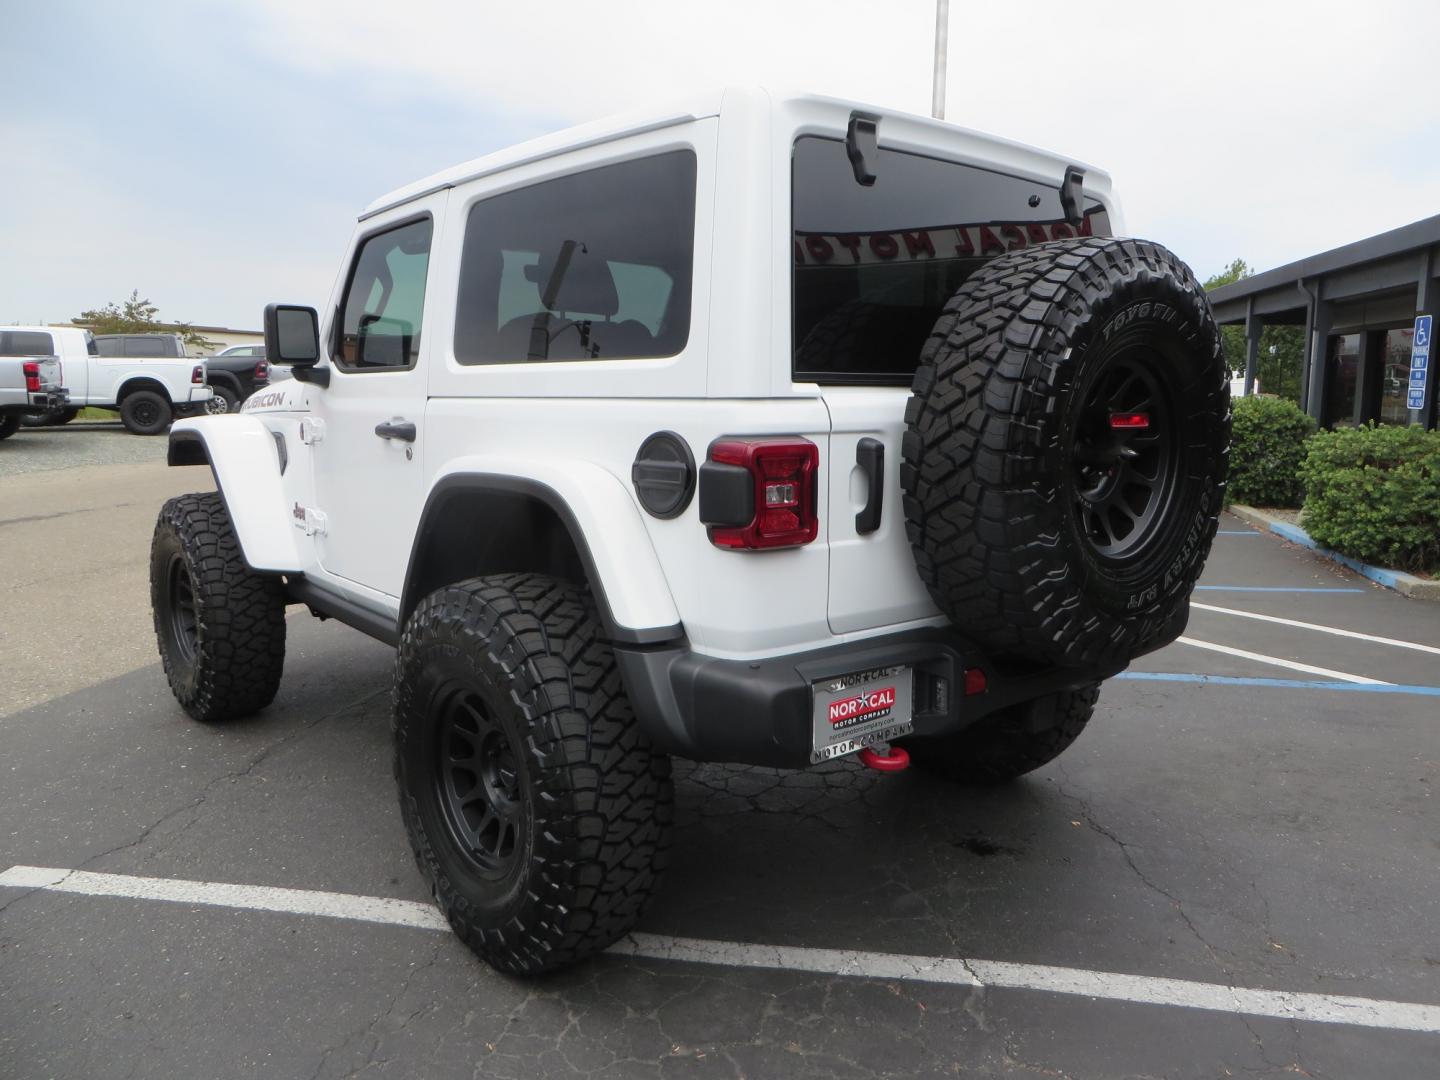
{"x":591,"y":266}
{"x":873,"y":266}
{"x":27,"y":343}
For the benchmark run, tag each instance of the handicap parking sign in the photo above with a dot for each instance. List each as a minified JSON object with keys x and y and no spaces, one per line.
{"x":1419,"y":363}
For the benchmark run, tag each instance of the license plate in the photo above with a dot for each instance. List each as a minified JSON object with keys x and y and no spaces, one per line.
{"x":860,"y":709}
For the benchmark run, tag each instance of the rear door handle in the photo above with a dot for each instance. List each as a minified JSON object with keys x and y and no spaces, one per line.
{"x":396,"y":429}
{"x":870,"y":456}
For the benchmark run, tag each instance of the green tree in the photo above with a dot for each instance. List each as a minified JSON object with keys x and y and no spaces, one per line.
{"x":139,"y":316}
{"x":1232,"y":338}
{"x":1282,"y":348}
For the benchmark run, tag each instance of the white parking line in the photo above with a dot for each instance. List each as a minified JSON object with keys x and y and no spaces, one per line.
{"x":997,"y":974}
{"x":1320,"y":628}
{"x":1293,"y":665}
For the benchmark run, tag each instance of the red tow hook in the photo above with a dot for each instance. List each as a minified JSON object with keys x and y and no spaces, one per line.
{"x":895,"y":761}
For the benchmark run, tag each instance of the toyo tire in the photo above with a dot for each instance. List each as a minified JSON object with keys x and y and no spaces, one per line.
{"x":537,"y":809}
{"x":1065,"y":451}
{"x":1010,"y":743}
{"x":220,"y":626}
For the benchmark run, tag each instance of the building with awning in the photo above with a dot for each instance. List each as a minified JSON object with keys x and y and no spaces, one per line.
{"x":1359,"y":306}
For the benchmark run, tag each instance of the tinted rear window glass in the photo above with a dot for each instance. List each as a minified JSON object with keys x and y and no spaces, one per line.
{"x":109,"y":346}
{"x":150,"y":346}
{"x":28,"y":343}
{"x":874,"y":265}
{"x":592,"y":266}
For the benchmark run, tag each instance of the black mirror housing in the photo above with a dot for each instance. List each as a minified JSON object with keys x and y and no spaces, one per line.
{"x":292,"y":335}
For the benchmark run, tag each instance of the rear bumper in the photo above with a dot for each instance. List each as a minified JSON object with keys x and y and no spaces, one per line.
{"x":43,"y":401}
{"x":759,"y":712}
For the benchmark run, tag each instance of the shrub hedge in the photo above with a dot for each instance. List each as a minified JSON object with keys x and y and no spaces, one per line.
{"x":1267,"y":447}
{"x":1373,"y":493}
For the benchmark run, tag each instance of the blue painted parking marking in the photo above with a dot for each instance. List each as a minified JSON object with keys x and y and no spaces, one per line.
{"x":1236,"y":532}
{"x":1284,"y":684}
{"x":1274,"y":588}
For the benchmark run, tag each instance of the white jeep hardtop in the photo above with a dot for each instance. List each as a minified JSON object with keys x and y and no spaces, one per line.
{"x":766,"y":429}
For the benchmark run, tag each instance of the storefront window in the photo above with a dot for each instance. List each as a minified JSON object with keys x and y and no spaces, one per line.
{"x":1395,"y":376}
{"x":1343,"y":363}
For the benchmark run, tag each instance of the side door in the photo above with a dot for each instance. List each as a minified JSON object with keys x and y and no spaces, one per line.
{"x":367,"y":459}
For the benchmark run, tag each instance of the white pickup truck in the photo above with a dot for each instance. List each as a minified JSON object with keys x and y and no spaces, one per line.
{"x":147,"y":391}
{"x":29,"y":379}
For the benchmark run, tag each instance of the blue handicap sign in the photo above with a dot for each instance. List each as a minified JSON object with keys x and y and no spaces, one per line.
{"x":1419,"y":363}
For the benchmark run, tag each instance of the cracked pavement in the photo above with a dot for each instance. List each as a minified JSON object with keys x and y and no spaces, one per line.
{"x":1256,"y":838}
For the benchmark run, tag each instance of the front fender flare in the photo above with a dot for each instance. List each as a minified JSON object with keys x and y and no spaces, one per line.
{"x":604,"y":525}
{"x":241,"y":453}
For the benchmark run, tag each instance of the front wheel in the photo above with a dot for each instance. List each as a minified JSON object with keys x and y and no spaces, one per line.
{"x":1009,"y":743}
{"x":145,"y":412}
{"x":537,"y":809}
{"x":220,"y":626}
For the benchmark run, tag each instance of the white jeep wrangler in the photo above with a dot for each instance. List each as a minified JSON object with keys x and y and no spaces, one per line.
{"x":766,"y":430}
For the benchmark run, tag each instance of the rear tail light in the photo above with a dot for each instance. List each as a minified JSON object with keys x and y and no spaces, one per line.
{"x":32,"y":375}
{"x":198,"y":375}
{"x":761,"y":492}
{"x":1137,"y":421}
{"x":262,"y":371}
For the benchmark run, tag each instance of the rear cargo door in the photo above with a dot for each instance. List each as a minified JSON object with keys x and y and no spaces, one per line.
{"x":882,"y":239}
{"x":872,"y":573}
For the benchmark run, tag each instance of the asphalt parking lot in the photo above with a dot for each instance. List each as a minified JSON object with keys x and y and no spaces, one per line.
{"x":1233,"y":872}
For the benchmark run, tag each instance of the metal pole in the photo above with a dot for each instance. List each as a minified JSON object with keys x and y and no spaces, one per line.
{"x":942,"y":33}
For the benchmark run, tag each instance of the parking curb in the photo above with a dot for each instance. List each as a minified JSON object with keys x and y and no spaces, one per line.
{"x":1403,"y":583}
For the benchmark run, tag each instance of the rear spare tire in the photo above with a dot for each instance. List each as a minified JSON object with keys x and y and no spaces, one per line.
{"x":1065,"y":451}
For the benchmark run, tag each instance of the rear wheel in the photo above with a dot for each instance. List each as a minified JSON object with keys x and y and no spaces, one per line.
{"x":1008,"y":743}
{"x":536,"y":807}
{"x":9,"y":424}
{"x":220,"y":626}
{"x":145,"y":412}
{"x":224,"y":400}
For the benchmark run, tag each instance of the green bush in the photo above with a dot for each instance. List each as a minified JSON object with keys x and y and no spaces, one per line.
{"x":1373,"y":493}
{"x":1267,"y":446}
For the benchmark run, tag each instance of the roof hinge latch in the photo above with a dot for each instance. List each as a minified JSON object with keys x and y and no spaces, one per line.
{"x":862,"y":147}
{"x":1072,"y":191}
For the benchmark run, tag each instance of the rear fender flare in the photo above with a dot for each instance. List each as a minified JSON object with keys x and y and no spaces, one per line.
{"x":242,"y":454}
{"x":598,"y":512}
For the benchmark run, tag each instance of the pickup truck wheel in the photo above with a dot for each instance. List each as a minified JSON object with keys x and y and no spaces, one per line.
{"x":9,"y":424}
{"x":220,"y":625}
{"x":1066,"y":450}
{"x":1008,"y":743}
{"x":145,"y":412}
{"x":537,"y":809}
{"x":224,"y":400}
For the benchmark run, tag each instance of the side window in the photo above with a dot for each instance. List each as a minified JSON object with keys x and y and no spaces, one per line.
{"x":28,"y":343}
{"x":92,"y":347}
{"x":109,"y":346}
{"x":384,"y":300}
{"x":592,"y":266}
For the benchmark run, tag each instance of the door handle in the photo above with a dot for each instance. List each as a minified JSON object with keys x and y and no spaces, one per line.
{"x":396,"y":429}
{"x":870,"y":456}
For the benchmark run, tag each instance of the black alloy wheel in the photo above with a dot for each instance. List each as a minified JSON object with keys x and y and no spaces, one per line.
{"x":184,"y":623}
{"x":1124,"y":457}
{"x":478,"y":781}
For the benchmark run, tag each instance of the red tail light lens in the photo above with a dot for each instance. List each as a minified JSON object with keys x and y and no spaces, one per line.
{"x":783,"y":473}
{"x":32,"y":375}
{"x":262,"y":370}
{"x":1137,"y":421}
{"x":198,"y":375}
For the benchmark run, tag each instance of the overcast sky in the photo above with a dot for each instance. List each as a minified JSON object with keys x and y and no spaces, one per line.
{"x":214,"y":155}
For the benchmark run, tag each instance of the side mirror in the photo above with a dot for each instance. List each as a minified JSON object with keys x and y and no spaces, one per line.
{"x":292,"y":336}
